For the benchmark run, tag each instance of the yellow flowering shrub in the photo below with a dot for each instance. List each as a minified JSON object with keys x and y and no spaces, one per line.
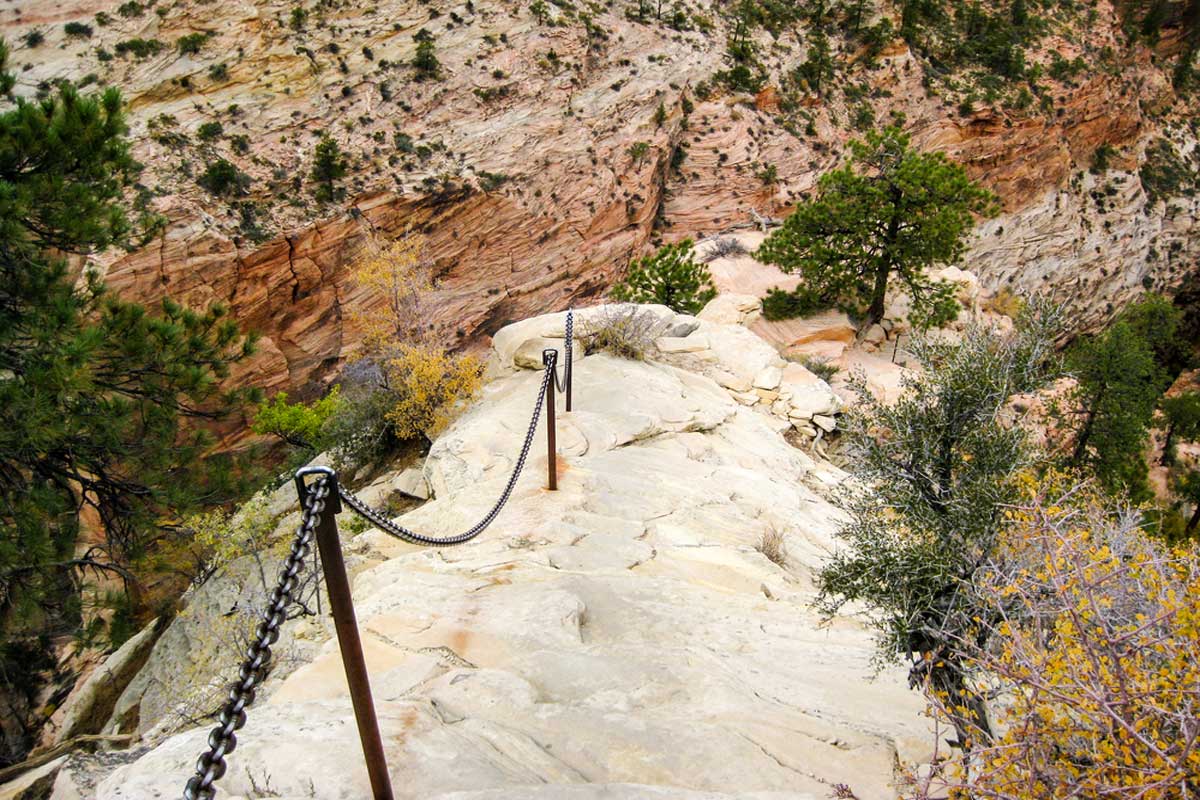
{"x":1092,"y":662}
{"x":395,"y":273}
{"x":428,"y":385}
{"x":409,"y":386}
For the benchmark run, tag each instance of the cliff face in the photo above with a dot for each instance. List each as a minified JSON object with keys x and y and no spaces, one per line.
{"x":519,"y":162}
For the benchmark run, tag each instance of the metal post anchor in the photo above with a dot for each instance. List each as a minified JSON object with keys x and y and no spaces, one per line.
{"x":550,"y":361}
{"x":341,"y":606}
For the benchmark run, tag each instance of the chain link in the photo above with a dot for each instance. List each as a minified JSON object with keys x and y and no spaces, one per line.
{"x":400,"y":532}
{"x":222,"y":739}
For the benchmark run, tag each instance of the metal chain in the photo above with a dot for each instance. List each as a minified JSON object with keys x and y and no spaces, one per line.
{"x":560,"y":385}
{"x":400,"y":532}
{"x":222,"y":739}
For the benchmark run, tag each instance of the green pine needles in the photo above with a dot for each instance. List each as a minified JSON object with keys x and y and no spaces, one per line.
{"x":671,"y":277}
{"x":891,"y":212}
{"x":102,"y":401}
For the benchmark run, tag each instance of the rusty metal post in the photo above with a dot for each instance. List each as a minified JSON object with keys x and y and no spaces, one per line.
{"x":341,"y":606}
{"x":550,"y":361}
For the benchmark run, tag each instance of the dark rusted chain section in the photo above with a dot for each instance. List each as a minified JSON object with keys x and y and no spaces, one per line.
{"x":222,"y":739}
{"x":400,"y":532}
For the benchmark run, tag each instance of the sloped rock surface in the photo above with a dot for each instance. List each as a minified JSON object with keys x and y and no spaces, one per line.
{"x":618,"y":638}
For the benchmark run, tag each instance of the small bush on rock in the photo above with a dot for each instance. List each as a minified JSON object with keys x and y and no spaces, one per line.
{"x":624,"y":331}
{"x":671,"y":277}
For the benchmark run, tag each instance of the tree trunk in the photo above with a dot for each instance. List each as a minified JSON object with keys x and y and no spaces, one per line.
{"x":1168,"y":457}
{"x":875,"y":312}
{"x":1085,"y":434}
{"x":968,"y":712}
{"x":1194,"y":521}
{"x":879,"y":291}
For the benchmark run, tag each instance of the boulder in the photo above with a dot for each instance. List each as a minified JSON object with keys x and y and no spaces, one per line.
{"x":768,"y":378}
{"x":412,"y":482}
{"x":89,"y":706}
{"x":807,"y":394}
{"x":731,"y":309}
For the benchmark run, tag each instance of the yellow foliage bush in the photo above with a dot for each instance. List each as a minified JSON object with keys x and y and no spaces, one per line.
{"x":394,"y":272}
{"x":428,"y":385}
{"x":1094,"y":631}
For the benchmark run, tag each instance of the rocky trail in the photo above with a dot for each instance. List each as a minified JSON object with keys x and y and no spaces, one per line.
{"x":623,"y":636}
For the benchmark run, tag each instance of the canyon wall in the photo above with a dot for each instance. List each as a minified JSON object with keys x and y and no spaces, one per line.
{"x":538,"y":162}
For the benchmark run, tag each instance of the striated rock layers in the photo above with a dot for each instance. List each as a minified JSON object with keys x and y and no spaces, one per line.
{"x":622,"y":637}
{"x":518,"y":162}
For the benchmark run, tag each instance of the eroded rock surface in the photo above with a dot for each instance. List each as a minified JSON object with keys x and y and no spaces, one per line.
{"x":621,"y":637}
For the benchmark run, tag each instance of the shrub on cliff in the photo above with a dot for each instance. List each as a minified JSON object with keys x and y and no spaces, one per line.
{"x":425,"y":61}
{"x":935,"y":470}
{"x":302,"y":425}
{"x":329,"y":166}
{"x":671,"y":276}
{"x":1085,"y":645}
{"x":890,"y":211}
{"x":403,"y":386}
{"x":224,"y":179}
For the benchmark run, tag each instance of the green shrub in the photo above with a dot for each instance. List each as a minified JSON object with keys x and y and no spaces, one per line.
{"x":800,"y":302}
{"x":671,"y":277}
{"x":425,"y":61}
{"x":78,"y":29}
{"x":191,"y":43}
{"x":132,"y":8}
{"x":223,"y":179}
{"x":1165,"y":173}
{"x":209,"y":131}
{"x":34,"y":39}
{"x":139,"y":48}
{"x":301,"y":425}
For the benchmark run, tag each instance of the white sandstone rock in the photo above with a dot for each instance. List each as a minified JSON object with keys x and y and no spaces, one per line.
{"x":686,"y":344}
{"x":607,"y":640}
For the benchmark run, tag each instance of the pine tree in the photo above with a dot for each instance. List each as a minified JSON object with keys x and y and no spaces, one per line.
{"x":329,"y":166}
{"x":934,"y":471}
{"x":1111,"y":407}
{"x":1181,"y":420}
{"x":96,"y":393}
{"x":425,"y":61}
{"x":671,"y":277}
{"x":890,"y":211}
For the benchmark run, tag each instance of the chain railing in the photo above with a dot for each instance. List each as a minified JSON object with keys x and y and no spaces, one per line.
{"x":323,"y":495}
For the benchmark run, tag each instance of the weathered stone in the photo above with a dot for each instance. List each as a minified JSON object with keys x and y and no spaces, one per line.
{"x":689,"y":344}
{"x":808,"y":394}
{"x":875,"y":334}
{"x":732,"y":382}
{"x":602,"y":634}
{"x":746,"y":398}
{"x":825,"y":423}
{"x":529,"y":354}
{"x":89,"y":706}
{"x":768,"y":378}
{"x":731,"y":309}
{"x":412,"y":483}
